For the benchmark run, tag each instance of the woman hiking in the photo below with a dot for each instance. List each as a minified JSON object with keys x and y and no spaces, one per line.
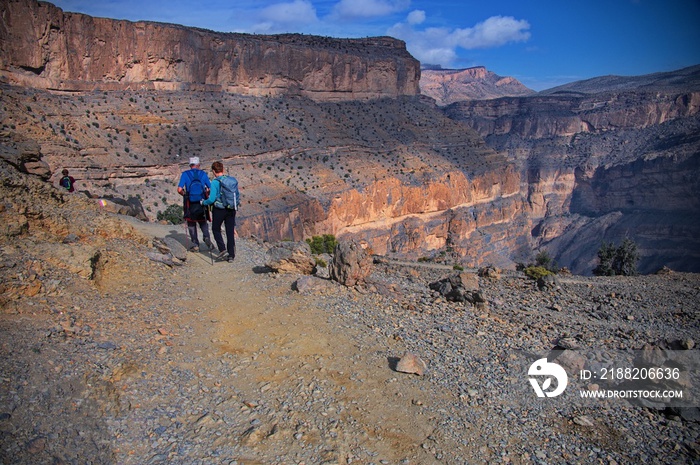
{"x":225,"y":198}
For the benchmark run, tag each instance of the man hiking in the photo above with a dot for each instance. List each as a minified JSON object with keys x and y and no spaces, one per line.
{"x":194,"y":186}
{"x":225,"y":198}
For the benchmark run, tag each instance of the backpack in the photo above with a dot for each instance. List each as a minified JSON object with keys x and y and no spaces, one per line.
{"x":65,"y":182}
{"x":195,"y":188}
{"x":229,"y":196}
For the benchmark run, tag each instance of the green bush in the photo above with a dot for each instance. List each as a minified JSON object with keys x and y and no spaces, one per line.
{"x":617,"y":261}
{"x":536,"y":272}
{"x":172,"y":214}
{"x":545,"y":261}
{"x":322,"y":244}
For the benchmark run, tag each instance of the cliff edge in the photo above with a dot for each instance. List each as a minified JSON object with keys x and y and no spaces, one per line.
{"x":41,"y":46}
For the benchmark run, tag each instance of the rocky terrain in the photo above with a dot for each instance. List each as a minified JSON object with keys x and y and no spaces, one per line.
{"x":109,"y":356}
{"x":448,"y":86}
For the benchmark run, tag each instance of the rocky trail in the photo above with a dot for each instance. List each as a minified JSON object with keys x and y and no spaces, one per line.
{"x":230,"y":363}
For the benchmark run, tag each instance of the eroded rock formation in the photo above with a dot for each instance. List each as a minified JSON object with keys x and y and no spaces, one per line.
{"x":46,"y":48}
{"x":307,"y":127}
{"x":448,"y":86}
{"x":606,"y":165}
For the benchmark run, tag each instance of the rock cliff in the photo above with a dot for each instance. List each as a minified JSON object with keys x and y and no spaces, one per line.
{"x":448,"y":86}
{"x":606,"y":165}
{"x":46,"y":48}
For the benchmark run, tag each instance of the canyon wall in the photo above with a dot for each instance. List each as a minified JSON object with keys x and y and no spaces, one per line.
{"x":626,"y":165}
{"x":41,"y":46}
{"x":329,"y":136}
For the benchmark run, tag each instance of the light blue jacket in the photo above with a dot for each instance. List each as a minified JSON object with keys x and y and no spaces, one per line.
{"x":213,"y":193}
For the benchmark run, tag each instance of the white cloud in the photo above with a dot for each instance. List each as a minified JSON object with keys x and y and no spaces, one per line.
{"x":416,"y":17}
{"x":439,"y":45}
{"x":494,"y":32}
{"x":282,"y":17}
{"x":354,"y":9}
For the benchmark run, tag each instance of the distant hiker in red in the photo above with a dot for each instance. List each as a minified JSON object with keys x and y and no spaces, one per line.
{"x":67,"y":182}
{"x":194,"y":186}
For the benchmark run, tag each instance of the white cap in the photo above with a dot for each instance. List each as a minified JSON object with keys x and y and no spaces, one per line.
{"x":194,"y":161}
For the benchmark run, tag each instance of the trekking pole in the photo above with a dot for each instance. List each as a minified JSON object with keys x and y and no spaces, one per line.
{"x":185,"y":211}
{"x":211,"y":255}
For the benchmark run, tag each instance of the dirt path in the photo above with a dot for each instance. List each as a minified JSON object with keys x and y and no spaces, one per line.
{"x":316,"y":386}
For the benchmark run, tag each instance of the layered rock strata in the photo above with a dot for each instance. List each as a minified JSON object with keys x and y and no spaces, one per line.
{"x":307,"y":126}
{"x":448,"y":86}
{"x":605,"y":166}
{"x":46,"y":48}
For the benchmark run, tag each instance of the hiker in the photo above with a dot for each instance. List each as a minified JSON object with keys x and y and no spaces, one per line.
{"x":67,"y":182}
{"x":194,"y":186}
{"x":225,"y":198}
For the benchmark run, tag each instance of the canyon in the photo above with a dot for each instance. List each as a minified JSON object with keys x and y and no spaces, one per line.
{"x":332,"y":136}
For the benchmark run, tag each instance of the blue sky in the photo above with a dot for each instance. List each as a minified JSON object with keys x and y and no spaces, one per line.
{"x":542,"y":43}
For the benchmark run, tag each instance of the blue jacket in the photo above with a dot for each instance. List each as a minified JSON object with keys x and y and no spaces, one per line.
{"x":213,"y":193}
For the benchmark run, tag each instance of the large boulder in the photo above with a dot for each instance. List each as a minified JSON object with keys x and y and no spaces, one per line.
{"x":462,"y":287}
{"x":23,"y":154}
{"x":291,"y":257}
{"x":351,"y":264}
{"x":130,"y":207}
{"x":173,"y":247}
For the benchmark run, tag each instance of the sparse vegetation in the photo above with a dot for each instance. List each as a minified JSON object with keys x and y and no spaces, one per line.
{"x":545,"y":261}
{"x":617,"y":261}
{"x":536,"y":272}
{"x":172,"y":214}
{"x":322,"y":244}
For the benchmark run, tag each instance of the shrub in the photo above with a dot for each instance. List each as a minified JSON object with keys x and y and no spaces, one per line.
{"x":614,"y":261}
{"x":545,"y":261}
{"x":322,"y":244}
{"x":536,"y":272}
{"x":172,"y":214}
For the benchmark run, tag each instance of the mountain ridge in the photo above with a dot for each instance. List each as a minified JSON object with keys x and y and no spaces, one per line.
{"x":687,"y":78}
{"x":47,"y":48}
{"x":448,"y":86}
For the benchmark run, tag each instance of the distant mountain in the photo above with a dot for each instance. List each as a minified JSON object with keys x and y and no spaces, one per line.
{"x":686,"y":79}
{"x":448,"y":86}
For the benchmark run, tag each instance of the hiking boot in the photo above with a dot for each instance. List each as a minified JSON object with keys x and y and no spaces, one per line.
{"x":209,"y":244}
{"x":221,"y":255}
{"x":230,"y":259}
{"x":194,"y":248}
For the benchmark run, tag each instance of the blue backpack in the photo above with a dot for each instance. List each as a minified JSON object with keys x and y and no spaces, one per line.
{"x":195,"y":188}
{"x":65,"y":182}
{"x":229,"y":197}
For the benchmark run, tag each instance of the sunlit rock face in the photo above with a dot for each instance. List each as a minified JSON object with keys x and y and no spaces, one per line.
{"x":448,"y":86}
{"x":47,"y":48}
{"x":602,"y":166}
